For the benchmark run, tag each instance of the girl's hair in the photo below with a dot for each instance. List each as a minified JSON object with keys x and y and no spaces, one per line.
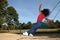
{"x":46,"y":12}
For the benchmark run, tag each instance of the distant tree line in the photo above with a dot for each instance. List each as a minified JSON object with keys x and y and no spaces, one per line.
{"x":51,"y":25}
{"x":30,"y":24}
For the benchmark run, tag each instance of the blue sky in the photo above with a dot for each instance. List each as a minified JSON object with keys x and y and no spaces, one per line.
{"x":28,"y":9}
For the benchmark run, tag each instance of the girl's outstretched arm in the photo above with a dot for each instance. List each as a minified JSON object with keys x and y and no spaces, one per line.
{"x":40,"y":7}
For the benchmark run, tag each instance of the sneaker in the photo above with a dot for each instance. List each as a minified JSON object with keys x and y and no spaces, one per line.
{"x":30,"y":34}
{"x":25,"y":33}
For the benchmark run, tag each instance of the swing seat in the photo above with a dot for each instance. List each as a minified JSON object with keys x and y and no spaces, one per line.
{"x":44,"y":25}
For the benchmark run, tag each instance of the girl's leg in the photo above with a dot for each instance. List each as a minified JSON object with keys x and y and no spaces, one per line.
{"x":34,"y":28}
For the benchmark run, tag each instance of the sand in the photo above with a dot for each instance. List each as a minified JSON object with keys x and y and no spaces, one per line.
{"x":10,"y":36}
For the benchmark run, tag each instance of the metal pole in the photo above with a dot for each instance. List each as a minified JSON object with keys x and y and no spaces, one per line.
{"x":20,"y":29}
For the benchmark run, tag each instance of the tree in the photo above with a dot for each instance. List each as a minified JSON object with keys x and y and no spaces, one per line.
{"x":13,"y":15}
{"x":23,"y":25}
{"x":8,"y":15}
{"x":3,"y":4}
{"x":57,"y":23}
{"x":29,"y":24}
{"x":26,"y":26}
{"x":1,"y":21}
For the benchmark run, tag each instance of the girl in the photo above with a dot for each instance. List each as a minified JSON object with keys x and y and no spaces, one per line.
{"x":42,"y":15}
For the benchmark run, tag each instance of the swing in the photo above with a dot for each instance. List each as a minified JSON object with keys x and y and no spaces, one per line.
{"x":44,"y":25}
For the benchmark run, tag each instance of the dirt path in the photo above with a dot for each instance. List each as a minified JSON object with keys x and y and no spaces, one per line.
{"x":9,"y":36}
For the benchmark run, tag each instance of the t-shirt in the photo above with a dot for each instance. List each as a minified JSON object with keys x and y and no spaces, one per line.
{"x":40,"y":17}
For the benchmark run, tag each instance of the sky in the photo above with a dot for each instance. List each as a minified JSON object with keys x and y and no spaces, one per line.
{"x":28,"y":10}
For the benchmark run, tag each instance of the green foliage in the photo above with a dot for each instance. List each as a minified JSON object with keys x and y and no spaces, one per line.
{"x":3,"y":27}
{"x":1,"y":20}
{"x":8,"y":15}
{"x":54,"y":25}
{"x":12,"y":12}
{"x":51,"y":25}
{"x":3,"y":4}
{"x":57,"y":23}
{"x":26,"y":26}
{"x":29,"y":24}
{"x":11,"y":26}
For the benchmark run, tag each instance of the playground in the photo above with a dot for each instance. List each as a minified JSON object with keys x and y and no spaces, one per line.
{"x":46,"y":28}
